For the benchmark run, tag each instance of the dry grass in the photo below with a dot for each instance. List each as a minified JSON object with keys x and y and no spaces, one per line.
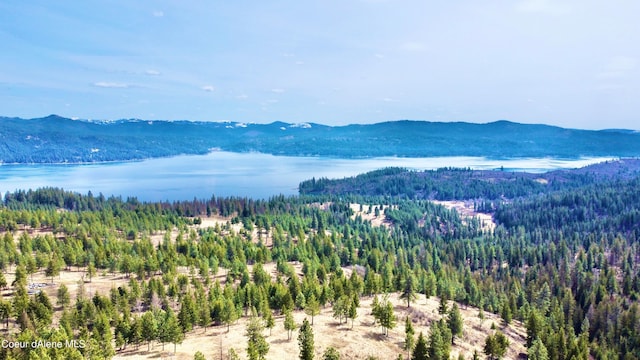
{"x":368,"y":214}
{"x":359,"y":342}
{"x":465,"y":209}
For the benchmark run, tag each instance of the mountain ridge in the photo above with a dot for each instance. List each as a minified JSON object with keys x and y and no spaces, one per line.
{"x":56,"y":139}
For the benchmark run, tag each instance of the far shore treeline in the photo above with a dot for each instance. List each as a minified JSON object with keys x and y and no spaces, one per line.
{"x":54,"y":139}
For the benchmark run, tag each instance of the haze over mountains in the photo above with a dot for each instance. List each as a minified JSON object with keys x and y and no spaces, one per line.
{"x":55,"y":139}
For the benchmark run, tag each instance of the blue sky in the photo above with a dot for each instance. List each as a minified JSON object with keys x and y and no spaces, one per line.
{"x":571,"y":63}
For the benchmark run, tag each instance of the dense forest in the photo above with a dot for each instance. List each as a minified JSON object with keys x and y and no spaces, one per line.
{"x":562,"y":260}
{"x":54,"y":139}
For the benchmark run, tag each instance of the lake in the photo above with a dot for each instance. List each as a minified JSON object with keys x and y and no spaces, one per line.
{"x":232,"y":174}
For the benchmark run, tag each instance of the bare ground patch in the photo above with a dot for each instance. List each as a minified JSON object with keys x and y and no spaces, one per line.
{"x":359,"y":342}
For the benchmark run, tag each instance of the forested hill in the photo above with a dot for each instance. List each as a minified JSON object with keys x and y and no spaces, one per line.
{"x":466,"y":184}
{"x":55,"y":139}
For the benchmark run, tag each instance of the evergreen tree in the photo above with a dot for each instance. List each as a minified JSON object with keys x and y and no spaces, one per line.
{"x":63,"y":297}
{"x":341,"y":308}
{"x":331,"y":354}
{"x":387,"y":317}
{"x":475,"y":355}
{"x":3,"y":281}
{"x":135,"y":335}
{"x":269,"y":320}
{"x":305,"y":341}
{"x":420,"y":351}
{"x":455,"y":322}
{"x":409,"y":289}
{"x":537,"y":351}
{"x":188,"y":315}
{"x":353,"y":311}
{"x":505,"y":313}
{"x":204,"y":313}
{"x":91,"y":271}
{"x":169,"y":330}
{"x":496,"y":345}
{"x":149,"y":328}
{"x":442,"y":309}
{"x":257,"y":346}
{"x":439,"y":344}
{"x":5,"y":312}
{"x":312,"y":308}
{"x":409,"y":332}
{"x":289,"y":323}
{"x":103,"y":336}
{"x":228,"y":313}
{"x":53,"y":267}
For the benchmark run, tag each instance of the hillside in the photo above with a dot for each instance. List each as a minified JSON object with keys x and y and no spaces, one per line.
{"x":55,"y":139}
{"x":556,"y":272}
{"x":467,"y":184}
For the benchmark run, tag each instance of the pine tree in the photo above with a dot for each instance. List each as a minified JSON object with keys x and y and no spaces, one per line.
{"x":387,"y":317}
{"x":169,"y":330}
{"x":439,"y":344}
{"x":3,"y":281}
{"x":91,"y":271}
{"x":149,"y":328}
{"x":455,"y":322}
{"x":331,"y":354}
{"x":228,"y":313}
{"x":204,"y":313}
{"x":188,"y":315}
{"x":53,"y":267}
{"x":269,"y":320}
{"x":103,"y":336}
{"x":135,"y":335}
{"x":305,"y":341}
{"x":537,"y":351}
{"x":496,"y":345}
{"x":409,"y":289}
{"x":505,"y":313}
{"x":289,"y":323}
{"x":257,"y":346}
{"x":442,"y":308}
{"x":420,"y":351}
{"x":5,"y":312}
{"x":341,"y":308}
{"x":312,"y":308}
{"x":409,"y":332}
{"x":63,"y":297}
{"x":353,"y":311}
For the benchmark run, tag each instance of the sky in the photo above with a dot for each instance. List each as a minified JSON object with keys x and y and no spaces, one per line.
{"x":570,"y":63}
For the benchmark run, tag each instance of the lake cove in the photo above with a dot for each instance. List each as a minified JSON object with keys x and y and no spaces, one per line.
{"x":220,"y":173}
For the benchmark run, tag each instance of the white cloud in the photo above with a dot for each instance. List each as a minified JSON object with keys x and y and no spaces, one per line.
{"x":158,"y":13}
{"x":208,"y":88}
{"x":379,"y":56}
{"x":299,"y":62}
{"x":551,"y":7}
{"x":152,"y":72}
{"x":277,"y":91}
{"x":242,"y":96}
{"x":106,"y":84}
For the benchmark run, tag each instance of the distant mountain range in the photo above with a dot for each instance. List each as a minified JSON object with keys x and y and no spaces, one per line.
{"x":55,"y":139}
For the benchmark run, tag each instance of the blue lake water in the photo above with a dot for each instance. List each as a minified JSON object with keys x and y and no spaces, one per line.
{"x":232,"y":174}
